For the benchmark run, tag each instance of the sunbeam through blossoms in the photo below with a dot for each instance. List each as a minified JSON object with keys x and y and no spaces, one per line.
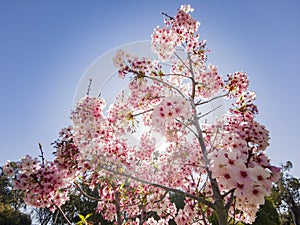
{"x":217,"y":167}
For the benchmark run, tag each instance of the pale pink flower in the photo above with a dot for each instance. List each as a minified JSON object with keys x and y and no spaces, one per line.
{"x":256,"y":194}
{"x":8,"y":170}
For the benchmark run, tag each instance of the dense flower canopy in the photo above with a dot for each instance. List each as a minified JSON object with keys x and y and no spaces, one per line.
{"x":220,"y":166}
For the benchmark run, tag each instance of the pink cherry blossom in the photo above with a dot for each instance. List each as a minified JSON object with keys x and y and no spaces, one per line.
{"x":164,"y":42}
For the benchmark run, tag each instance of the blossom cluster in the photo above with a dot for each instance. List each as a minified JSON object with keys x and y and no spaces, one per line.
{"x":174,"y":107}
{"x":67,"y":153}
{"x":127,"y":63}
{"x":209,"y":82}
{"x":133,"y":200}
{"x":44,"y":185}
{"x":181,"y":30}
{"x":237,"y":83}
{"x":238,"y":160}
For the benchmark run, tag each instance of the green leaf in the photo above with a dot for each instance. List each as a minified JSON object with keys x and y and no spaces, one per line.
{"x":88,"y":215}
{"x":81,"y":217}
{"x":122,"y":185}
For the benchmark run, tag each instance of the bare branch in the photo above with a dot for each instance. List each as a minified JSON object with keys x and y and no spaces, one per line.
{"x":166,"y":15}
{"x":180,"y":59}
{"x":214,"y":109}
{"x":42,"y":153}
{"x":186,"y":126}
{"x":63,"y":214}
{"x":89,"y":87}
{"x":210,"y":100}
{"x":140,"y":113}
{"x":177,"y":74}
{"x":84,"y":193}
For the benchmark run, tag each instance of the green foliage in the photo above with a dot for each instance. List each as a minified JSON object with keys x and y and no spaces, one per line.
{"x":286,"y":196}
{"x":8,"y":196}
{"x":10,"y":203}
{"x":83,"y":219}
{"x":10,"y":216}
{"x":80,"y":205}
{"x":75,"y":208}
{"x":267,"y":214}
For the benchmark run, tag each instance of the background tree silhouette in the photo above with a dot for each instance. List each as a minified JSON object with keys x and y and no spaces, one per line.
{"x":11,"y":202}
{"x":286,"y":196}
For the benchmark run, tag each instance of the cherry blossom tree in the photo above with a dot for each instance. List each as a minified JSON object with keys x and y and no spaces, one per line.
{"x":217,"y":167}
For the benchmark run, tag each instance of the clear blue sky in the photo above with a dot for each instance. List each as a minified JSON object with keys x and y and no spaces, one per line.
{"x":45,"y":47}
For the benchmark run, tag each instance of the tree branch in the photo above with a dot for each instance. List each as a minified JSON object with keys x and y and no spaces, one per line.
{"x":118,"y":208}
{"x":186,"y":126}
{"x":63,"y":214}
{"x":166,"y":15}
{"x":230,"y":201}
{"x":84,"y":193}
{"x":89,"y":87}
{"x":193,"y":76}
{"x":162,"y":197}
{"x":167,"y":84}
{"x":137,"y":114}
{"x":42,"y":154}
{"x":180,"y":59}
{"x":210,"y":100}
{"x":180,"y":192}
{"x":214,"y":109}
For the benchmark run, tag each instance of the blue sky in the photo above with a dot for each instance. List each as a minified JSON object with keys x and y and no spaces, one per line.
{"x":46,"y":46}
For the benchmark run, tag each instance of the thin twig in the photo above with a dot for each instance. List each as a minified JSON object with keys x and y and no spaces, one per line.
{"x":42,"y":153}
{"x":63,"y":214}
{"x":140,"y":113}
{"x":89,"y":87}
{"x":56,"y":217}
{"x":203,"y":216}
{"x":180,"y":59}
{"x":166,"y":15}
{"x":230,"y":201}
{"x":214,"y":109}
{"x":162,"y":197}
{"x":186,"y":126}
{"x":167,"y":84}
{"x":85,"y":194}
{"x":176,"y":74}
{"x":210,"y":100}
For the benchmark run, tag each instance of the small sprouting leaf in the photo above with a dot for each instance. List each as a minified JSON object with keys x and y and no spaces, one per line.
{"x":88,"y":215}
{"x":81,"y":217}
